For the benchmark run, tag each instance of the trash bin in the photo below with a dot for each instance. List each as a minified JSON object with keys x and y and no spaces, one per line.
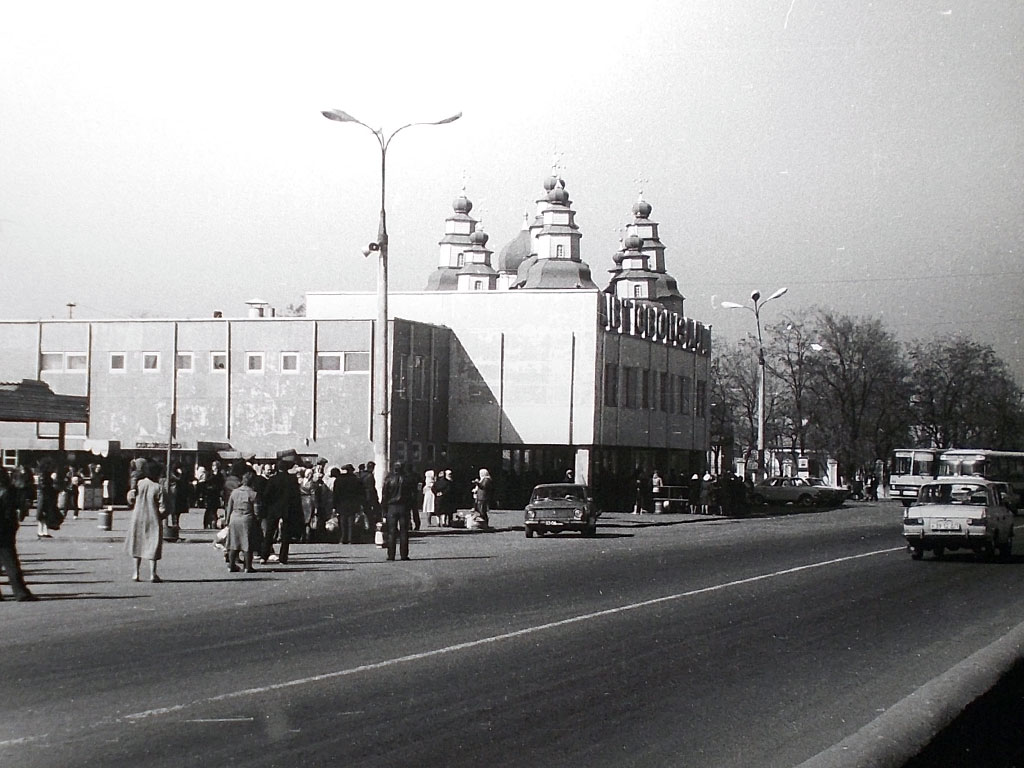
{"x":106,"y":519}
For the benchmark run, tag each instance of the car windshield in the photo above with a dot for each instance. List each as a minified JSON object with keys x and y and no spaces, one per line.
{"x":816,"y":481}
{"x":953,"y":493}
{"x":549,"y":492}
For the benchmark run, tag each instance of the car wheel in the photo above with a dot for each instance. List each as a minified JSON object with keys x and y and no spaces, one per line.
{"x":988,"y":550}
{"x":939,"y":552}
{"x":589,"y":531}
{"x":757,"y":500}
{"x":916,"y":553}
{"x":529,"y":532}
{"x":805,"y":500}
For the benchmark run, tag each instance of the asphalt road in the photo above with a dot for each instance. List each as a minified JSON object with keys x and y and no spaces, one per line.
{"x":665,"y":640}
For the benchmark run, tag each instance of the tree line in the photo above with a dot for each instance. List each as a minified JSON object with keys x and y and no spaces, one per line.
{"x":846,"y":388}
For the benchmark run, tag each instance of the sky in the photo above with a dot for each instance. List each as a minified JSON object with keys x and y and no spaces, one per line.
{"x":169,"y":160}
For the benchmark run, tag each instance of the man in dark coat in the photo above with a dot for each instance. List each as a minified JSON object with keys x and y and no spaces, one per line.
{"x":397,"y":500}
{"x":348,"y":494}
{"x":371,"y":503}
{"x":213,"y":495}
{"x":9,"y":521}
{"x":282,"y":508}
{"x":445,"y":499}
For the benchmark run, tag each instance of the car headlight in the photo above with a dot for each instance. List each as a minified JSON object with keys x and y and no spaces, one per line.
{"x":577,"y":514}
{"x":913,"y":521}
{"x":531,"y":515}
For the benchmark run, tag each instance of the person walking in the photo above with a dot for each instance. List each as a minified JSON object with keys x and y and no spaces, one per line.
{"x":396,"y":499}
{"x":10,"y":519}
{"x":282,"y":511}
{"x":483,"y":487}
{"x":428,"y":504}
{"x":371,"y":502}
{"x":243,"y":523}
{"x":145,"y":536}
{"x":347,"y":496}
{"x":47,"y":513}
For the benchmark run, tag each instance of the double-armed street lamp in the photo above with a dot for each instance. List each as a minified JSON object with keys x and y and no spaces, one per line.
{"x":755,"y":306}
{"x":382,"y":385}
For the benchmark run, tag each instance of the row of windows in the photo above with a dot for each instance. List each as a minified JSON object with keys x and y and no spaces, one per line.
{"x":255,"y":362}
{"x":643,"y":389}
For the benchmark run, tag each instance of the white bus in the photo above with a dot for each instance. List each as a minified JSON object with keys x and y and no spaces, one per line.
{"x":999,"y":466}
{"x":909,"y":469}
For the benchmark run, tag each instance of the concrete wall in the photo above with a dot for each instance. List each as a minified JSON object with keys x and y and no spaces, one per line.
{"x":257,"y":411}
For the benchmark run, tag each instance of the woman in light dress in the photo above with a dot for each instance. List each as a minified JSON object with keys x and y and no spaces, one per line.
{"x":145,"y":536}
{"x":428,"y":495}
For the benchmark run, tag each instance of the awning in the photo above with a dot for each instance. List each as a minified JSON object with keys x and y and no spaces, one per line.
{"x":31,"y":400}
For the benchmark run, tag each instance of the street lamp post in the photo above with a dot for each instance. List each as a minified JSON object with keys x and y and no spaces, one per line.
{"x":379,"y":428}
{"x":755,"y":306}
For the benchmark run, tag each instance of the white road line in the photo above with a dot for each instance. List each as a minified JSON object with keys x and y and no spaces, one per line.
{"x":496,"y":638}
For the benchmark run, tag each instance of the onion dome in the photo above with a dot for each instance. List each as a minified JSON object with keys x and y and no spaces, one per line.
{"x":462,"y":204}
{"x":517,"y":250}
{"x":479,"y":238}
{"x":551,"y":182}
{"x":633,"y":242}
{"x":641,"y":208}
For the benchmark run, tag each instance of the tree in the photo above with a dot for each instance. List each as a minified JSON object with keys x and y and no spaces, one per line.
{"x":860,"y":389}
{"x":734,"y":377}
{"x":964,"y":396}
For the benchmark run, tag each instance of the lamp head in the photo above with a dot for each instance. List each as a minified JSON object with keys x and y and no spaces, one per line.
{"x":755,"y":296}
{"x":371,"y":248}
{"x":778,"y":293}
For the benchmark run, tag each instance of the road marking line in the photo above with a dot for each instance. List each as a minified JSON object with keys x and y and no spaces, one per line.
{"x":496,"y":638}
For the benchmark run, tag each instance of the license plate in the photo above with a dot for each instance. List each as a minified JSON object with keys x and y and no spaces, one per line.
{"x":945,"y":525}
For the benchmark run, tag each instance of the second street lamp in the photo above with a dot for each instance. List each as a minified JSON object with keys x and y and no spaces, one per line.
{"x":755,"y":307}
{"x":380,"y":429}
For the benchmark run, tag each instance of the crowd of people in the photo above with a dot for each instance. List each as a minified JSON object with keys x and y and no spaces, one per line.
{"x":257,"y":507}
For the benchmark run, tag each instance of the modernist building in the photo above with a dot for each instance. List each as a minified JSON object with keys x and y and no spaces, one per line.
{"x":525,"y":366}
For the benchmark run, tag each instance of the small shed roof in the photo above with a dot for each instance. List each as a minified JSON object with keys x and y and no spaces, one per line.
{"x":31,"y":400}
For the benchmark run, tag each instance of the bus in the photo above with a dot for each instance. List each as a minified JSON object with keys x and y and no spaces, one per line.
{"x":999,"y":466}
{"x":909,"y":469}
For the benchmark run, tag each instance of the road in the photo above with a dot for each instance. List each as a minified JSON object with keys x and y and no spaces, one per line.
{"x":665,"y":640}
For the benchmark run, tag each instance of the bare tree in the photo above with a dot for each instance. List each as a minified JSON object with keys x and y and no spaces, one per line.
{"x":860,"y":389}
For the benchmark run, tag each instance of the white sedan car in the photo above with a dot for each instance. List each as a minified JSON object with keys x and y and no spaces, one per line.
{"x":958,"y":513}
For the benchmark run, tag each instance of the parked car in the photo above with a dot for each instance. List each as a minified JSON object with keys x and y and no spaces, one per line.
{"x":958,"y":513}
{"x":559,"y":507}
{"x":796,"y":490}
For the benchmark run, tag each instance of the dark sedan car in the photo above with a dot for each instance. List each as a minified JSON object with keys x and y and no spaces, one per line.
{"x":560,"y":507}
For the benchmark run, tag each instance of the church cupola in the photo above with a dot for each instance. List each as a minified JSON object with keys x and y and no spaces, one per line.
{"x":458,"y":230}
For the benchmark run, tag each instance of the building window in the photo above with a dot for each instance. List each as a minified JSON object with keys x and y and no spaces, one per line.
{"x":343,"y":362}
{"x":559,"y":251}
{"x":218,"y":361}
{"x":357,"y":362}
{"x":663,"y":394}
{"x":289,"y":362}
{"x":76,"y":361}
{"x":702,"y":399}
{"x":638,"y":291}
{"x":183,"y":362}
{"x":254,"y":362}
{"x":151,"y":362}
{"x":460,"y":260}
{"x":51,"y":361}
{"x":117,"y":362}
{"x":10,"y":458}
{"x":631,"y":387}
{"x":329,"y":362}
{"x":402,"y":392}
{"x":611,"y":385}
{"x":478,"y":285}
{"x":646,"y":401}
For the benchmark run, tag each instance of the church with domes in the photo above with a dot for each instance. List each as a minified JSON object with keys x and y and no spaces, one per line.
{"x":545,"y":254}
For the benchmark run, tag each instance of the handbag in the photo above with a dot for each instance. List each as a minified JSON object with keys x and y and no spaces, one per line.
{"x":378,"y":536}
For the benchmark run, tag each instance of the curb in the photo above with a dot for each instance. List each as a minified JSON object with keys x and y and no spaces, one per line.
{"x":902,"y":731}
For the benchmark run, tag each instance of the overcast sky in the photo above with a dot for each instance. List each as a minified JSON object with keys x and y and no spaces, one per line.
{"x":170,"y":159}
